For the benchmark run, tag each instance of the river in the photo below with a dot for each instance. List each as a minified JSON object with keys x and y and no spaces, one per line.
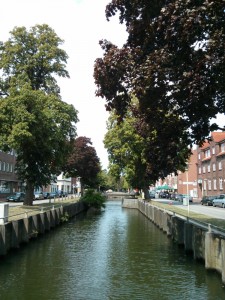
{"x":117,"y":254}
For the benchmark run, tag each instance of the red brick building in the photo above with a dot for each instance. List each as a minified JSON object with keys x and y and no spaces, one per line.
{"x":8,"y":179}
{"x":211,"y":165}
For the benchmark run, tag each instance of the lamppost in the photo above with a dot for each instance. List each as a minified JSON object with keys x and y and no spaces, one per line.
{"x":187,"y":187}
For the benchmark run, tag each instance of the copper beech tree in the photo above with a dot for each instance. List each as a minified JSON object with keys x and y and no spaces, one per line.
{"x":173,"y":62}
{"x":83,"y":162}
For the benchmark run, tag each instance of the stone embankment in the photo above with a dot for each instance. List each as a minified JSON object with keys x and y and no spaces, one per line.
{"x":204,"y":243}
{"x":14,"y":233}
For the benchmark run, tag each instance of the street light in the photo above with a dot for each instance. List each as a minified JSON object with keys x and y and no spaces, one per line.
{"x":187,"y":187}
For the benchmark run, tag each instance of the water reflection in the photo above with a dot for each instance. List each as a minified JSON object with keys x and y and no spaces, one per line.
{"x":117,"y":254}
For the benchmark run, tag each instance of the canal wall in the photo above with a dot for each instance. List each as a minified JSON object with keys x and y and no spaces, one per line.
{"x":15,"y":233}
{"x":201,"y":241}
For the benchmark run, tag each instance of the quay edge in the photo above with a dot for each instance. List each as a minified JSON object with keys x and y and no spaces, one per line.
{"x":204,"y":244}
{"x":14,"y":233}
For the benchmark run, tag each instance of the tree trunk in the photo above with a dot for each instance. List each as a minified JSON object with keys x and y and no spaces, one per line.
{"x":146,"y":193}
{"x":29,"y":194}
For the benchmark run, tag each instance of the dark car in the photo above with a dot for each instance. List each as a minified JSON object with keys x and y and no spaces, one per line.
{"x":178,"y":197}
{"x":46,"y":195}
{"x":207,"y":200}
{"x":165,"y":195}
{"x":53,"y":195}
{"x":16,"y":197}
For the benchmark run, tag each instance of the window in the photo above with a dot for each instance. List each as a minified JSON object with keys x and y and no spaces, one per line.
{"x":214,"y":184}
{"x":7,"y":167}
{"x":222,"y":147}
{"x":207,"y":153}
{"x":214,"y":167}
{"x":0,"y":165}
{"x":209,"y":185}
{"x":220,"y":165}
{"x":199,"y":170}
{"x":208,"y":167}
{"x":213,"y":150}
{"x":203,"y":169}
{"x":3,"y":166}
{"x":199,"y":155}
{"x":204,"y":185}
{"x":221,"y":183}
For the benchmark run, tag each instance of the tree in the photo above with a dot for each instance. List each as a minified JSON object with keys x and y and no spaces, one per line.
{"x":34,"y":121}
{"x":137,"y":152}
{"x":173,"y":62}
{"x":83,"y":162}
{"x":34,"y":56}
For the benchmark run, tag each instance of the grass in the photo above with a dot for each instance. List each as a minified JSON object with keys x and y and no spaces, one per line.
{"x":19,"y":212}
{"x":196,"y":216}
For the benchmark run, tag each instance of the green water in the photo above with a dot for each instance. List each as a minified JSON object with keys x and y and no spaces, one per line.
{"x":117,"y":254}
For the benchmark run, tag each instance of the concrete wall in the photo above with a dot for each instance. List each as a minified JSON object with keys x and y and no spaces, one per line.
{"x":203,"y":244}
{"x":14,"y":233}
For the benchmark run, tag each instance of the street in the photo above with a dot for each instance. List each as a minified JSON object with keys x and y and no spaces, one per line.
{"x":211,"y":211}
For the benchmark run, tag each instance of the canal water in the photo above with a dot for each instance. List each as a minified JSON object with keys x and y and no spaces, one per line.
{"x":117,"y":254}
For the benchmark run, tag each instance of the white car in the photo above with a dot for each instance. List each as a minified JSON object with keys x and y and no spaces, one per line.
{"x":38,"y":196}
{"x":219,"y":201}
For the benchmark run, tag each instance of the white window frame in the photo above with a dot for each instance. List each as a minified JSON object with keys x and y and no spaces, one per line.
{"x":208,"y":168}
{"x":209,"y":185}
{"x":214,"y":167}
{"x":214,"y":184}
{"x":203,"y":170}
{"x":221,"y":183}
{"x":220,"y":165}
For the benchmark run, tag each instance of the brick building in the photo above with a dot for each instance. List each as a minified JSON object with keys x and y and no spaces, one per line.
{"x":211,"y":165}
{"x":8,"y":179}
{"x":187,"y":181}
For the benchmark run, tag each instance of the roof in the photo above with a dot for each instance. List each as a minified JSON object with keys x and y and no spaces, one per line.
{"x":216,"y":136}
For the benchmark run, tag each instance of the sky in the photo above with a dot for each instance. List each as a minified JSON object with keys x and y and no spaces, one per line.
{"x":81,"y":24}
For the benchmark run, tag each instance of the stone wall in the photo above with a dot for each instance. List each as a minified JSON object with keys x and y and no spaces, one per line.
{"x":14,"y":233}
{"x":201,"y":242}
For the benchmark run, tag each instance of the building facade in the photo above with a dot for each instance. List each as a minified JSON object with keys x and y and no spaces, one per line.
{"x":9,"y":181}
{"x":211,"y":165}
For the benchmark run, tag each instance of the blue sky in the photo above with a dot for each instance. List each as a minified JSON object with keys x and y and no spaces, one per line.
{"x":81,"y":24}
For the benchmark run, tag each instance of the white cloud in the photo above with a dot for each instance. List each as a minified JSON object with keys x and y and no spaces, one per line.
{"x":81,"y":24}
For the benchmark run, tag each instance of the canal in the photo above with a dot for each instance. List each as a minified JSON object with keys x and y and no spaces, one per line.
{"x":117,"y":254}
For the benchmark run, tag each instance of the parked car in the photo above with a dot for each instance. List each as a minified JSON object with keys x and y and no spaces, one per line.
{"x":207,"y":200}
{"x":53,"y":195}
{"x":187,"y":196}
{"x":16,"y":197}
{"x":152,"y":194}
{"x":46,"y":195}
{"x":219,"y":201}
{"x":178,"y":197}
{"x":164,"y":195}
{"x":38,"y":196}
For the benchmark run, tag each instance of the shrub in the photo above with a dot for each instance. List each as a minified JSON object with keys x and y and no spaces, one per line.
{"x":94,"y":199}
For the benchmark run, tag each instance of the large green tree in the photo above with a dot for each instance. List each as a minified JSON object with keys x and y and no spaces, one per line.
{"x":134,"y":150}
{"x":174,"y":63}
{"x":34,"y":121}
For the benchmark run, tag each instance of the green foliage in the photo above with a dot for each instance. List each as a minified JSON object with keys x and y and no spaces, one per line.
{"x":34,"y":121}
{"x":94,"y":199}
{"x":174,"y":64}
{"x":65,"y":217}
